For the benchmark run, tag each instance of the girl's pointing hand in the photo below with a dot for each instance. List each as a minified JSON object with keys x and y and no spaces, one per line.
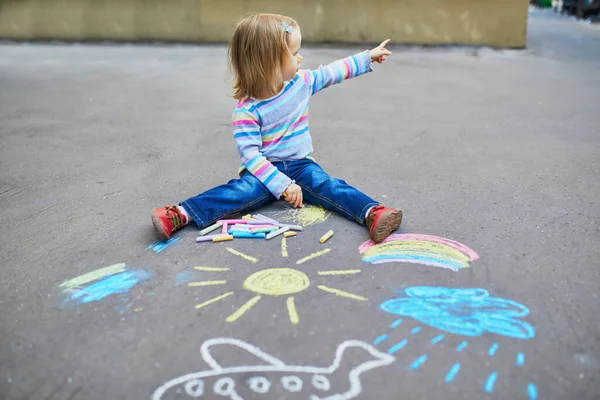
{"x":380,"y":53}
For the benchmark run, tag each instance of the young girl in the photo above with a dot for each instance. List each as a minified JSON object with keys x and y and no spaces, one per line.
{"x":270,"y":125}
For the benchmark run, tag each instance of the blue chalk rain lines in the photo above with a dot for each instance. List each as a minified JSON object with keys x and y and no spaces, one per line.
{"x":466,"y":312}
{"x":159,"y":246}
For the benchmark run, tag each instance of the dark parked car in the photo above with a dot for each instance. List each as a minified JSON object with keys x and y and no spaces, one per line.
{"x":581,"y":8}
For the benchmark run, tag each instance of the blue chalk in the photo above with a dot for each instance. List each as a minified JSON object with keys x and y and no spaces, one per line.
{"x":380,"y":339}
{"x":247,"y":235}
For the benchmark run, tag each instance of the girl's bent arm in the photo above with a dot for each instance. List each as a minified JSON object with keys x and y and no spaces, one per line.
{"x":248,"y":140}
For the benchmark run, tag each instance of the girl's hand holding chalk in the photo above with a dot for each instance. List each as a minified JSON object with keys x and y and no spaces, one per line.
{"x":293,"y":195}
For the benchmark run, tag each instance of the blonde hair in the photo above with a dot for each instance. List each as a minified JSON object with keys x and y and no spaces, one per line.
{"x":256,"y":54}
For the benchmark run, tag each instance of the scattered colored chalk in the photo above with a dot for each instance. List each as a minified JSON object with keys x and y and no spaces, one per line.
{"x":248,"y":235}
{"x":222,"y":238}
{"x":210,"y":228}
{"x":289,"y":234}
{"x":278,"y":232}
{"x":326,"y":237}
{"x":207,"y":238}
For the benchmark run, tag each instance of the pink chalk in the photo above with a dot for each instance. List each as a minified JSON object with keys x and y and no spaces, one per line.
{"x":233,"y":221}
{"x":253,"y":227}
{"x":225,"y":228}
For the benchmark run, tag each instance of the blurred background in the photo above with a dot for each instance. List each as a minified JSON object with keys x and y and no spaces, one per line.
{"x":491,"y":23}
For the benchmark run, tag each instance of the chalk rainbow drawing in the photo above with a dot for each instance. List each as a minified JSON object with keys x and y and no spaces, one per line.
{"x":274,"y":282}
{"x":462,"y":311}
{"x":103,"y":282}
{"x":221,"y":381}
{"x":419,"y":249}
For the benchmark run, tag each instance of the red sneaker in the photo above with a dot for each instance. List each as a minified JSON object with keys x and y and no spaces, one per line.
{"x":382,"y":221}
{"x":167,"y":220}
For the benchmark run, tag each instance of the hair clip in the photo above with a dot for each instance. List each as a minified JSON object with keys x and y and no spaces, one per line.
{"x":288,"y":29}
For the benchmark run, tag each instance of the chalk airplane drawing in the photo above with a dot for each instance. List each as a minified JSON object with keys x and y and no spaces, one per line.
{"x":221,"y":381}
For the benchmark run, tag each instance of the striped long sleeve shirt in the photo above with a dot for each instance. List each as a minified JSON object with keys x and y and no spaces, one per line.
{"x":276,"y":129}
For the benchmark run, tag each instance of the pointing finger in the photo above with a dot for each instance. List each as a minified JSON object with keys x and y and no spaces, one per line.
{"x":384,"y":43}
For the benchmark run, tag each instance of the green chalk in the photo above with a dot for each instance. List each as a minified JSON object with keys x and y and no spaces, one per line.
{"x":210,"y":228}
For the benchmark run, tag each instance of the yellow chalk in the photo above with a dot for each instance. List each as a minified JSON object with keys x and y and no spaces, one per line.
{"x":326,"y":237}
{"x":222,"y":238}
{"x":289,"y":234}
{"x":248,"y":217}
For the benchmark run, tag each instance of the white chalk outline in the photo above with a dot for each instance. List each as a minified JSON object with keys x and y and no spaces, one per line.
{"x":276,"y":365}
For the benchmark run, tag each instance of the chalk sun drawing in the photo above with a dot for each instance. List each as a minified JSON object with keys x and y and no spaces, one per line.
{"x":272,"y":375}
{"x":305,"y":216}
{"x":419,"y":249}
{"x":464,"y":311}
{"x":274,"y":282}
{"x":102,"y":282}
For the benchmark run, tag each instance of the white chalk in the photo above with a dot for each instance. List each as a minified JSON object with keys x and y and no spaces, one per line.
{"x":263,"y":217}
{"x":292,"y":227}
{"x":278,"y":232}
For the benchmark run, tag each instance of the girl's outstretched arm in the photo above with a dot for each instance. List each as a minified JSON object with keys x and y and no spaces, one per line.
{"x":346,"y":68}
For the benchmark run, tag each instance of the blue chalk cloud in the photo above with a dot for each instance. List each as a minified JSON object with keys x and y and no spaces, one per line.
{"x":119,"y":283}
{"x":463,"y":311}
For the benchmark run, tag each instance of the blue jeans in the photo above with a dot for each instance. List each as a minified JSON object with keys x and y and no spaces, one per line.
{"x":247,"y":194}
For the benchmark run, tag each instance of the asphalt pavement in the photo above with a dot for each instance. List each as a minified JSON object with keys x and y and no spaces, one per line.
{"x":489,"y":291}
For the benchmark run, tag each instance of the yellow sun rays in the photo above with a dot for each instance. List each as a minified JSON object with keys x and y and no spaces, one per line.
{"x":274,"y":282}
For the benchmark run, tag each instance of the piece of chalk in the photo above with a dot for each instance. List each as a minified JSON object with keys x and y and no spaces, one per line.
{"x":292,"y":227}
{"x":278,"y":232}
{"x":222,"y":238}
{"x":251,"y":227}
{"x":260,"y":216}
{"x":233,"y":221}
{"x":260,"y":222}
{"x":225,"y":228}
{"x":267,"y":229}
{"x":210,"y":228}
{"x":207,"y":238}
{"x":289,"y":234}
{"x":326,"y":237}
{"x":232,"y":230}
{"x":248,"y":235}
{"x":248,"y":217}
{"x":240,"y":227}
